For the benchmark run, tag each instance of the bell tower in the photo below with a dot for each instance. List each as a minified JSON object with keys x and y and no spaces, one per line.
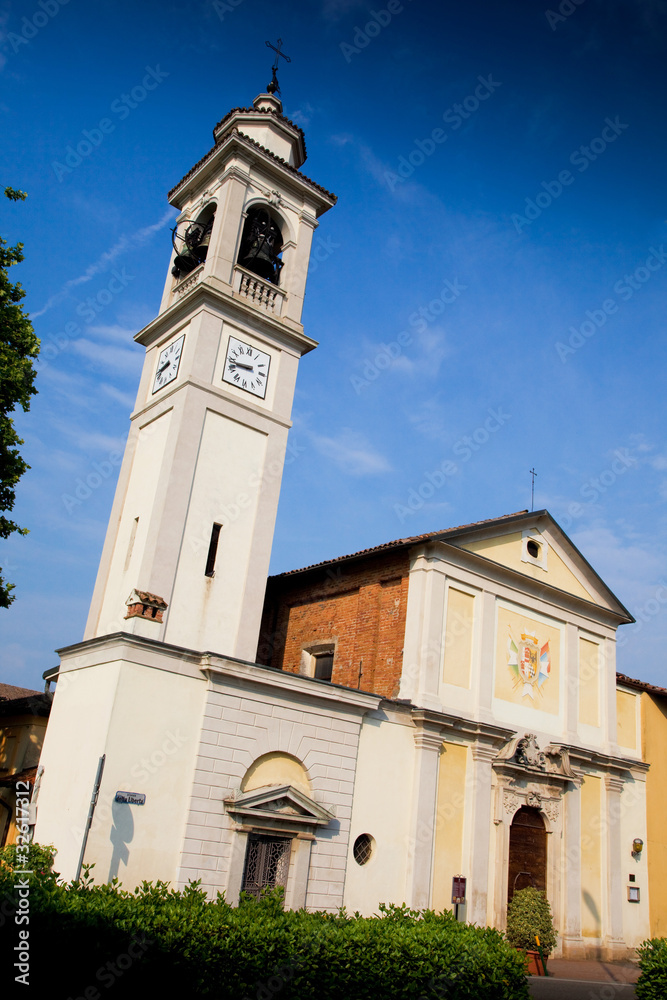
{"x":193,"y":518}
{"x":183,"y":571}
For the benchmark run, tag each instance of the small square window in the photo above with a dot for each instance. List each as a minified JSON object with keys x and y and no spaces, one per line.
{"x":323,"y":666}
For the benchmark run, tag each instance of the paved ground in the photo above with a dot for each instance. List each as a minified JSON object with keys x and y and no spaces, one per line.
{"x":585,"y":981}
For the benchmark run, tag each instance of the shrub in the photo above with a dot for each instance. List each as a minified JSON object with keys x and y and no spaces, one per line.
{"x":529,"y":914}
{"x":652,"y":983}
{"x":179,"y":943}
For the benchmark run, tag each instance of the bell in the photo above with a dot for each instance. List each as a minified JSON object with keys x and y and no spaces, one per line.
{"x":193,"y":247}
{"x":262,"y":242}
{"x":185,"y":261}
{"x":198,"y":239}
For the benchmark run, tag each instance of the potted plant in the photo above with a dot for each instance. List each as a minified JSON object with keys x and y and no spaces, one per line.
{"x":530,"y":927}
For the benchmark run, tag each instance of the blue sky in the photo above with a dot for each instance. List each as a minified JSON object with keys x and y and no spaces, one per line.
{"x":488,"y":292}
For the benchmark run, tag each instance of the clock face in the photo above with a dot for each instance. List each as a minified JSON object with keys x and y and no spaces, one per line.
{"x":246,"y":367}
{"x":167,"y":366}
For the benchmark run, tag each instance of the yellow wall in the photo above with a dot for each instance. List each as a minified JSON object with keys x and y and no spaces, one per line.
{"x":508,"y":685}
{"x":276,"y":769}
{"x":591,"y":860}
{"x":449,"y":823}
{"x":507,"y":549}
{"x":458,"y":638}
{"x":589,"y":682}
{"x":626,"y":719}
{"x":654,"y":752}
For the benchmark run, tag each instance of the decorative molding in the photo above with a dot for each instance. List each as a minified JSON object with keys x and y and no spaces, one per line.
{"x":523,"y":756}
{"x":263,"y":808}
{"x":511,"y":802}
{"x":483,"y":753}
{"x":528,"y":752}
{"x":534,"y":800}
{"x":427,"y":740}
{"x":613,"y":783}
{"x":552,"y":809}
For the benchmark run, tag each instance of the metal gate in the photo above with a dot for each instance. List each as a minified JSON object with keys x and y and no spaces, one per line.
{"x":266,"y":863}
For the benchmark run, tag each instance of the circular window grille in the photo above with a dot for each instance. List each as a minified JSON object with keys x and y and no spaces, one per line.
{"x":363,"y":848}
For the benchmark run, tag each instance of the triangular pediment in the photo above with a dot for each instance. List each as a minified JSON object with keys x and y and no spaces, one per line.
{"x":557,"y":563}
{"x":278,"y":802}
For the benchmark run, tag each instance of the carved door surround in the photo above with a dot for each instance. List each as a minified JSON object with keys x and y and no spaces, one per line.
{"x":526,"y":775}
{"x":276,"y":814}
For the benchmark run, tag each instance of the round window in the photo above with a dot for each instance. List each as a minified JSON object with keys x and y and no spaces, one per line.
{"x":533,"y":549}
{"x":363,"y":848}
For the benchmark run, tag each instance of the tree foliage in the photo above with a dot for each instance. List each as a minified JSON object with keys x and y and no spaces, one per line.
{"x":18,"y":349}
{"x":652,"y":983}
{"x":529,"y":914}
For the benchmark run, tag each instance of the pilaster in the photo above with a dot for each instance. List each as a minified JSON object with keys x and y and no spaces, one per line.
{"x":482,"y":777}
{"x":428,"y":744}
{"x":614,"y":881}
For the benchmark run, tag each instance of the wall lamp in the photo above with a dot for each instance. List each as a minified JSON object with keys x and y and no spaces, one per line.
{"x":637,"y":846}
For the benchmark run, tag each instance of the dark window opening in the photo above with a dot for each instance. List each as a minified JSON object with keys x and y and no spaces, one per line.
{"x":323,"y":666}
{"x":266,"y":864}
{"x":533,"y":549}
{"x":212,"y":550}
{"x":192,"y":243}
{"x":363,"y":848}
{"x":261,"y":246}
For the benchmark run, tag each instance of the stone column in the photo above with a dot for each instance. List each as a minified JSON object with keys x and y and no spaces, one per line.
{"x":482,"y":825}
{"x":428,"y":744}
{"x":613,"y":931}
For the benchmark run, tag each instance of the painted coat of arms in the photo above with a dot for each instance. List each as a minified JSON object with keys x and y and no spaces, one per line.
{"x":529,"y":662}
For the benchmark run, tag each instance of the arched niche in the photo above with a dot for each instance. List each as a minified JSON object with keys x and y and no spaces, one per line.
{"x":276,"y":769}
{"x":191,"y":240}
{"x":262,"y":242}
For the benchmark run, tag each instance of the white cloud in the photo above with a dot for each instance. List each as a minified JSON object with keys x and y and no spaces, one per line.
{"x":124,"y":361}
{"x":103,"y":262}
{"x":352,"y":453}
{"x":125,"y":399}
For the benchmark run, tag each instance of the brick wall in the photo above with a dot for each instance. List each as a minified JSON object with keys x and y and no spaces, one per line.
{"x":358,"y":606}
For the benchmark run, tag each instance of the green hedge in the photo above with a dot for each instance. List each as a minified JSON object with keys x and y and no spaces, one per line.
{"x":180,"y":944}
{"x":652,"y":983}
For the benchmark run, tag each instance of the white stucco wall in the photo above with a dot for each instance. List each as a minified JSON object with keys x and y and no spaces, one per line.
{"x":384,"y":774}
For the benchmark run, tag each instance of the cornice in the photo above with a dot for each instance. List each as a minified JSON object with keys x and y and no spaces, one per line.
{"x":603,"y":761}
{"x":538,"y":590}
{"x":445,"y":724}
{"x":206,"y":292}
{"x":235,"y":138}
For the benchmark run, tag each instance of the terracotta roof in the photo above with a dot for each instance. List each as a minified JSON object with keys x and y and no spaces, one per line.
{"x":10,"y":693}
{"x":641,"y":685}
{"x":144,"y":597}
{"x":404,"y":542}
{"x":264,"y":111}
{"x":246,"y":138}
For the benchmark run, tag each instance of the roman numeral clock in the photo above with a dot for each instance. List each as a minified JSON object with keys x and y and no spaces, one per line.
{"x":186,"y":556}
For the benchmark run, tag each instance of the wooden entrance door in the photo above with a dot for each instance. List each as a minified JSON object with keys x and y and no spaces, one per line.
{"x":528,"y":852}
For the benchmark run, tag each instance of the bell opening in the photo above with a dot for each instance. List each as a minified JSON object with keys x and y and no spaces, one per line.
{"x":192,"y":243}
{"x":261,"y":245}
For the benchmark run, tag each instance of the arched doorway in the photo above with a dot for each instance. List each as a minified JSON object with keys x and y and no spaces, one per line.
{"x":528,"y":852}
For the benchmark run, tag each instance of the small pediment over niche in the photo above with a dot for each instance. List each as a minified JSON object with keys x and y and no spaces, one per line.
{"x":277,"y":802}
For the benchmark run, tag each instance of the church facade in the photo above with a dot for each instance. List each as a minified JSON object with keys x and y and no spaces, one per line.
{"x":363,"y":731}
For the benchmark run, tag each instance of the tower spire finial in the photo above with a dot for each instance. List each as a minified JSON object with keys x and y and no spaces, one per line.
{"x":274,"y":87}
